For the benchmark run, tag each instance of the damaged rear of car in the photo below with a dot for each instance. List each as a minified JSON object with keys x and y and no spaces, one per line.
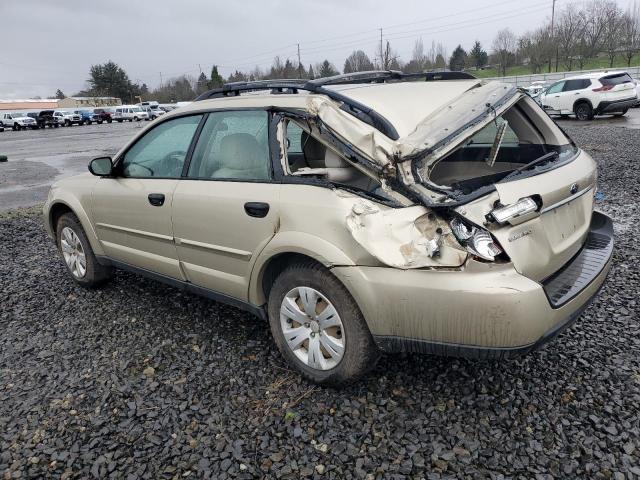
{"x":490,"y":245}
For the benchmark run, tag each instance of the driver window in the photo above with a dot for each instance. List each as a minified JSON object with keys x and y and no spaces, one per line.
{"x":556,"y":88}
{"x":161,"y":152}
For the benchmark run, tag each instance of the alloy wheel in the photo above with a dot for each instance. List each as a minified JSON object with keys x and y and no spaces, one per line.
{"x":312,"y":328}
{"x":73,"y":252}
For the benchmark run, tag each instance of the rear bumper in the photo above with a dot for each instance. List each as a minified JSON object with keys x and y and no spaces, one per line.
{"x":616,"y":106}
{"x":484,"y":311}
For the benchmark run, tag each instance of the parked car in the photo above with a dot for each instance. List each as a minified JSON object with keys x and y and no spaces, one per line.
{"x":130,"y":113}
{"x":590,"y":94}
{"x":104,"y":115}
{"x":88,"y":116}
{"x":17,"y":121}
{"x":67,"y":119}
{"x":536,"y":88}
{"x":1,"y":127}
{"x":44,"y":118}
{"x":637,"y":82}
{"x":153,"y":113}
{"x":356,"y":213}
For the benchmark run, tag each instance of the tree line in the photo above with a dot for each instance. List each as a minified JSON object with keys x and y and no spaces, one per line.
{"x":578,"y":33}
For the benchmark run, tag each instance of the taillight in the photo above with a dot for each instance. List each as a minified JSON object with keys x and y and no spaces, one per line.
{"x":603,"y":88}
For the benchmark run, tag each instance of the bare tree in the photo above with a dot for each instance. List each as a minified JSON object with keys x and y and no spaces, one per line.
{"x":504,"y":46}
{"x":358,"y":61}
{"x":630,"y":32}
{"x":595,"y":15}
{"x":537,"y":47}
{"x":388,"y":58}
{"x":612,"y":38}
{"x":568,"y":31}
{"x":419,"y":60}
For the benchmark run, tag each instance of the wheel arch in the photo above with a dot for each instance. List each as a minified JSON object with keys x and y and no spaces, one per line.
{"x":59,"y":207}
{"x":279,"y":253}
{"x":582,"y":100}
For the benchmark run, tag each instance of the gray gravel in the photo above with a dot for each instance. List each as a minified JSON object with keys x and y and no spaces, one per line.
{"x":138,"y":380}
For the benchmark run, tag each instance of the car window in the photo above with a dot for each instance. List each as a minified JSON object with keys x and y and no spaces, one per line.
{"x":616,"y":79}
{"x":556,"y":87}
{"x":294,"y":138}
{"x":487,"y":135}
{"x":233,"y":145}
{"x":161,"y":151}
{"x":572,"y":85}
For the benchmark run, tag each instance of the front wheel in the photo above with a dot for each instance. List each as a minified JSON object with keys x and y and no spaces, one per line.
{"x":318,"y":326}
{"x":583,"y":111}
{"x":77,"y":253}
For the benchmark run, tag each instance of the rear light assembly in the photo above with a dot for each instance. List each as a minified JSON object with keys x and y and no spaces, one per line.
{"x":477,"y":241}
{"x":521,"y":207}
{"x":604,"y":88}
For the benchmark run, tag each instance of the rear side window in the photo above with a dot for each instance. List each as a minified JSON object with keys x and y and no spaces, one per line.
{"x":571,"y":85}
{"x":161,"y":152}
{"x":617,"y":79}
{"x":233,"y":145}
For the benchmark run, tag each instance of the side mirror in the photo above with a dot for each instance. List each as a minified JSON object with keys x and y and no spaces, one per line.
{"x":101,"y":166}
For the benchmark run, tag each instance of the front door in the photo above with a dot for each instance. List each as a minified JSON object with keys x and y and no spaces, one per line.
{"x":553,"y":98}
{"x":132,"y":210}
{"x":226,"y":210}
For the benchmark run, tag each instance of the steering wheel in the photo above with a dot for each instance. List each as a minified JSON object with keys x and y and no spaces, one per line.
{"x":142,"y":166}
{"x":173,"y":161}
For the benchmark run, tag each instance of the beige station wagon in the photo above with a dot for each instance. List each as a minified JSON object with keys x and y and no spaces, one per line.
{"x":378,"y":211}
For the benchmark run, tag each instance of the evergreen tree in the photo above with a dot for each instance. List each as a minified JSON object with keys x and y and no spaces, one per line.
{"x":458,"y":59}
{"x":216,"y":80}
{"x":60,"y":95}
{"x":327,"y":69}
{"x":311,"y":73}
{"x":477,"y":56}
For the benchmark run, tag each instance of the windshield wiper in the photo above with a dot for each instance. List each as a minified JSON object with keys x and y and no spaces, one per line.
{"x":536,"y":162}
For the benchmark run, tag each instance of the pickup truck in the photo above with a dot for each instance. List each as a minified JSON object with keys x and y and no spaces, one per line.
{"x":67,"y":118}
{"x":88,"y":116}
{"x":45,"y":118}
{"x":17,"y":121}
{"x":105,"y":115}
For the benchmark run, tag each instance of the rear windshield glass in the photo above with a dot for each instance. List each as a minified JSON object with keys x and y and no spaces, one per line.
{"x":616,"y":79}
{"x":482,"y":159}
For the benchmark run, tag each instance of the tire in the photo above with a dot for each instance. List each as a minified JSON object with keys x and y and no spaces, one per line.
{"x":583,"y":111}
{"x":130,"y":120}
{"x":119,"y":121}
{"x":136,"y":119}
{"x":15,"y":127}
{"x":88,"y":122}
{"x":56,"y":125}
{"x":99,"y":122}
{"x":67,"y":123}
{"x":94,"y":274}
{"x":109,"y":121}
{"x":359,"y":352}
{"x":622,"y":113}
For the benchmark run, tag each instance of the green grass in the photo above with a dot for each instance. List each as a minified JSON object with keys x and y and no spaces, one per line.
{"x":599,"y":63}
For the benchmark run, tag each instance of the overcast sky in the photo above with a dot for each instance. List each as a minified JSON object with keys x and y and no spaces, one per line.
{"x":50,"y":44}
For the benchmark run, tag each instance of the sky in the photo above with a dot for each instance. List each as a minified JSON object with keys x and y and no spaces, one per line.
{"x":51,"y":44}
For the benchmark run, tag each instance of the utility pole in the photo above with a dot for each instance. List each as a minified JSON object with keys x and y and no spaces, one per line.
{"x":160,"y":79}
{"x":200,"y":68}
{"x":381,"y":60}
{"x":553,"y":17}
{"x":299,"y":63}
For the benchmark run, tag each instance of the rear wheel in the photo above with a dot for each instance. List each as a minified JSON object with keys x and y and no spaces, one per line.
{"x":583,"y":111}
{"x":318,"y":326}
{"x":77,"y":253}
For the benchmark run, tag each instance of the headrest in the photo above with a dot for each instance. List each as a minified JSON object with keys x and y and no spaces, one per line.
{"x":241,"y":150}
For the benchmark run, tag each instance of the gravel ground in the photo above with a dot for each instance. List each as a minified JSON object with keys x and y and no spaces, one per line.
{"x":138,"y":380}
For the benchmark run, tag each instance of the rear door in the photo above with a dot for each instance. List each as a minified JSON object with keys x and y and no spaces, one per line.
{"x":132,"y":210}
{"x":226,"y":209}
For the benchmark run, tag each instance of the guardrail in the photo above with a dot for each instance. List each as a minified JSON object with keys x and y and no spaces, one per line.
{"x":526,"y":80}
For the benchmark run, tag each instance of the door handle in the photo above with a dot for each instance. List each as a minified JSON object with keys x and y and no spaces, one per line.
{"x":256,"y":209}
{"x":156,"y":199}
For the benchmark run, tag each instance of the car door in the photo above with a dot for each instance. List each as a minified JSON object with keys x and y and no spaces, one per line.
{"x":132,"y":210}
{"x":552,"y":98}
{"x":571,"y":91}
{"x":226,"y":208}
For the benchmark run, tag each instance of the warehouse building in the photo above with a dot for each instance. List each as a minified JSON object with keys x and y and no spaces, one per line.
{"x":52,"y":103}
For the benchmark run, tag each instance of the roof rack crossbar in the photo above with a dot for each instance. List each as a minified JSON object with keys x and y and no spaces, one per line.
{"x":318,"y":86}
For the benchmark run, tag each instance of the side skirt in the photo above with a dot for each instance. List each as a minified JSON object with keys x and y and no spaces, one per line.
{"x":258,"y":311}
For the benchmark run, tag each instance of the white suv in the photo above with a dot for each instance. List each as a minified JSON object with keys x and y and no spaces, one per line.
{"x":590,"y":94}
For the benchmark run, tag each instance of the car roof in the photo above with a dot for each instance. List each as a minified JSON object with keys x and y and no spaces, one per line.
{"x":594,"y":75}
{"x":403,"y":104}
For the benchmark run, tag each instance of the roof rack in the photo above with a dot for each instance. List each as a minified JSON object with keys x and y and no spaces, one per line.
{"x":357,"y":109}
